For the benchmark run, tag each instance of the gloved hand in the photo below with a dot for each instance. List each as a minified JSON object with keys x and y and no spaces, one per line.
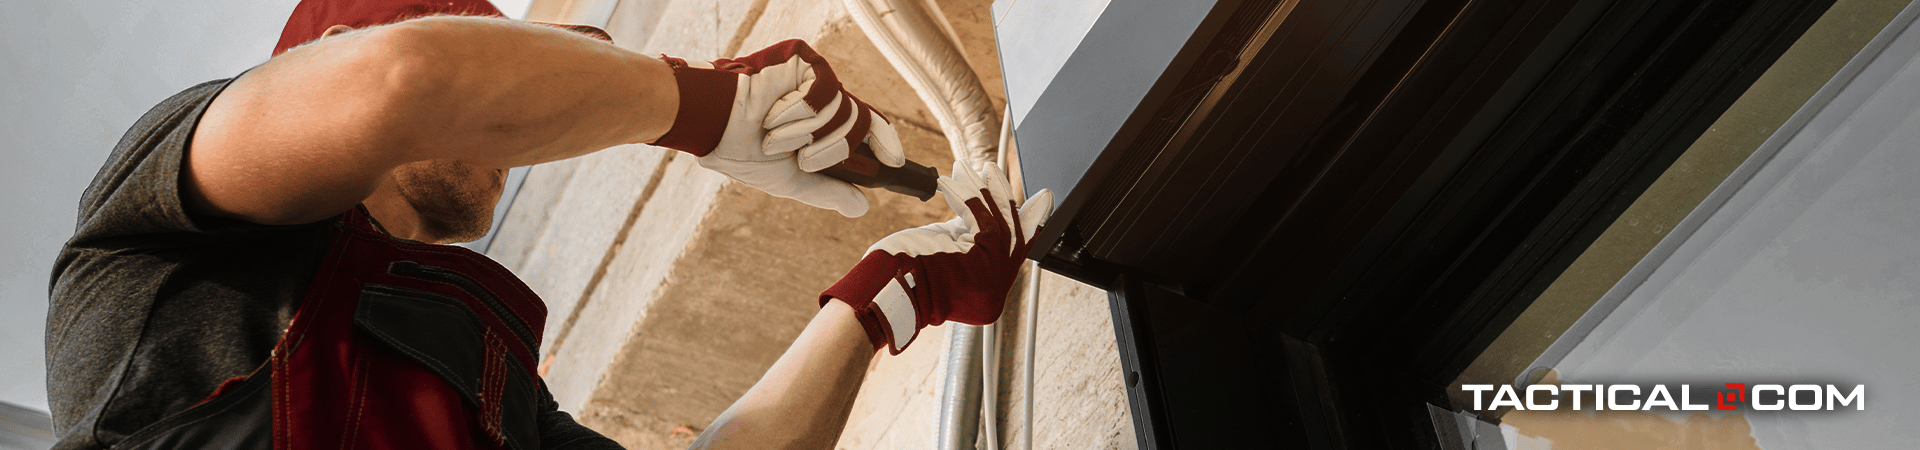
{"x":772,"y":118}
{"x":959,"y":270}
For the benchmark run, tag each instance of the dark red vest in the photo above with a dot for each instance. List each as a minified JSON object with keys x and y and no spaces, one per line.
{"x":397,"y":345}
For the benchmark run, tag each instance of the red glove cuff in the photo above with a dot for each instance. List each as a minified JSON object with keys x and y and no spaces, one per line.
{"x":967,"y":290}
{"x":706,"y":97}
{"x":706,"y":103}
{"x":858,"y":290}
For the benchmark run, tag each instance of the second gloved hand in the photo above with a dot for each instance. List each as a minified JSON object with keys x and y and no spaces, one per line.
{"x":773,"y":118}
{"x":959,"y":270}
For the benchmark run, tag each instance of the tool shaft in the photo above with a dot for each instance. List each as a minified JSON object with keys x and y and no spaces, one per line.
{"x":862,"y":169}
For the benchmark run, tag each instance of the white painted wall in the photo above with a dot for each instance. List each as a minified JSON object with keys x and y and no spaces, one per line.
{"x":1810,"y":272}
{"x":77,"y":74}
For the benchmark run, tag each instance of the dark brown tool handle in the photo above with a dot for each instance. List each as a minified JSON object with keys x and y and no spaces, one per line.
{"x":862,"y":169}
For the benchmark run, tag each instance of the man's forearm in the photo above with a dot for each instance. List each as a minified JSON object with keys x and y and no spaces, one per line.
{"x":511,"y":93}
{"x":804,"y":399}
{"x":315,"y":130}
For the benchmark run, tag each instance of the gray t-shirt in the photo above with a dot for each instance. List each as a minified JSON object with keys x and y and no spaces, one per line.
{"x":153,"y":306}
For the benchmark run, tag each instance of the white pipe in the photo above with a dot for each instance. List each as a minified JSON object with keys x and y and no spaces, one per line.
{"x":920,"y":46}
{"x":990,"y":352}
{"x":970,"y":379}
{"x":989,"y":341}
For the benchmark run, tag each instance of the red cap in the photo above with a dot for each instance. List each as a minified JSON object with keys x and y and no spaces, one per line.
{"x":313,"y":17}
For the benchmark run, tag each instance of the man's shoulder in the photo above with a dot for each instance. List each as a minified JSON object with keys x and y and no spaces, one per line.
{"x":184,"y":106}
{"x":136,"y":189}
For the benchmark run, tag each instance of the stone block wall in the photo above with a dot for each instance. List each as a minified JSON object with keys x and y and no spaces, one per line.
{"x":671,"y":289}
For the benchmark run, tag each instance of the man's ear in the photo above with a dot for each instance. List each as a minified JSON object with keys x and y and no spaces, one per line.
{"x":336,"y":29}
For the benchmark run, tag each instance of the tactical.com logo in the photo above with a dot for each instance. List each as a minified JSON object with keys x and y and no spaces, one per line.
{"x":1618,"y":397}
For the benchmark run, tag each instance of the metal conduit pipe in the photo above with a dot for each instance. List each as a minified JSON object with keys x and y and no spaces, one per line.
{"x":990,"y":367}
{"x":960,"y":401}
{"x":1030,"y":320}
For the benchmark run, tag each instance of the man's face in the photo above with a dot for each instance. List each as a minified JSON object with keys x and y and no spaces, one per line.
{"x":455,"y":199}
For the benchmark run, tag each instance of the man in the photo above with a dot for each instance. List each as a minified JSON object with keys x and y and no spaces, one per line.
{"x":257,"y":264}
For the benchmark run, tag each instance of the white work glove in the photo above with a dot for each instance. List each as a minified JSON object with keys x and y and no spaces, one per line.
{"x":773,"y":118}
{"x":959,"y":270}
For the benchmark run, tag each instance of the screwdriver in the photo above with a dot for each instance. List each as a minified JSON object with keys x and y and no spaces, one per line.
{"x":862,"y":169}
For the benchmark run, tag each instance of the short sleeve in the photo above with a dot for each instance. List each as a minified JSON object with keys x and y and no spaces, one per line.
{"x":137,"y":190}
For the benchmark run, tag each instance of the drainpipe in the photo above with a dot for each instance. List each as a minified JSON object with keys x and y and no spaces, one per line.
{"x":918,"y":43}
{"x":960,"y":405}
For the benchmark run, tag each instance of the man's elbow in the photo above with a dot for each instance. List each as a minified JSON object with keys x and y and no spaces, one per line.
{"x":315,"y":130}
{"x":400,"y":67}
{"x":378,"y":90}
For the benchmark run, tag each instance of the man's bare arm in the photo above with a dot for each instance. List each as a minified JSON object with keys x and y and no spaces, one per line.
{"x":959,"y":270}
{"x":314,"y":131}
{"x":803,"y":400}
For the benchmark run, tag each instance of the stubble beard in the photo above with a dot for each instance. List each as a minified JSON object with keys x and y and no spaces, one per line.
{"x":454,"y":201}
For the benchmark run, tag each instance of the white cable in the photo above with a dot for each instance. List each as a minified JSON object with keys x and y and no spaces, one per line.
{"x":990,"y":350}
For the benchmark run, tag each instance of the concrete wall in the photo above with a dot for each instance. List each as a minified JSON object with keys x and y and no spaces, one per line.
{"x":1078,"y":390}
{"x":1079,"y":396}
{"x":671,"y":289}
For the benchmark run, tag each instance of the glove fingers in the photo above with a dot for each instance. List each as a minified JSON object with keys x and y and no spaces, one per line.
{"x":817,"y":66}
{"x":959,"y":188}
{"x":1033,"y":213}
{"x":955,"y":196}
{"x":796,"y":134}
{"x":862,"y":122}
{"x":956,"y":199}
{"x":964,"y":177}
{"x":771,"y":84}
{"x":995,"y":181}
{"x":823,"y":191}
{"x":925,"y":240}
{"x":790,"y":108}
{"x":783,"y":145}
{"x":952,"y":229}
{"x":781,"y":178}
{"x":823,"y":154}
{"x":885,"y":142}
{"x":834,"y":146}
